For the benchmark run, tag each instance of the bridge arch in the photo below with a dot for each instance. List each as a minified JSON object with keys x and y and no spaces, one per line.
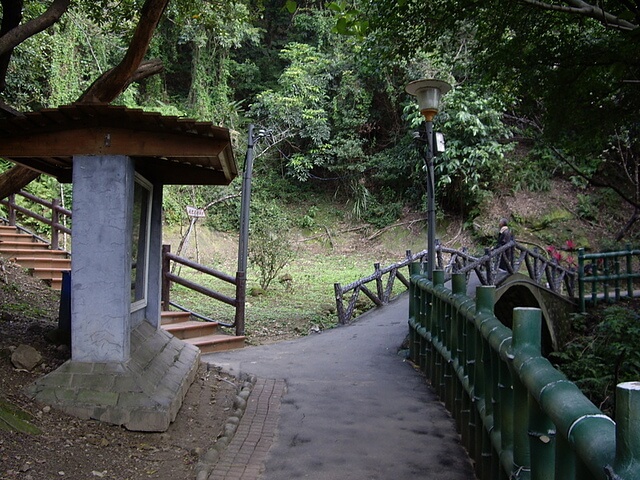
{"x":521,"y":291}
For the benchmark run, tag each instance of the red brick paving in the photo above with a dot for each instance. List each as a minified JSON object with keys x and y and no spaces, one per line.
{"x":245,"y":456}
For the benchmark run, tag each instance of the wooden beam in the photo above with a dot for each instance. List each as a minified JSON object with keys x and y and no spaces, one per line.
{"x":170,"y":173}
{"x":111,"y":141}
{"x":14,"y":179}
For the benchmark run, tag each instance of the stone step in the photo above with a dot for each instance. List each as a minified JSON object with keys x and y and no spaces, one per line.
{"x":34,"y":255}
{"x":17,"y":237}
{"x":32,"y":252}
{"x":217,"y":343}
{"x":43,"y":262}
{"x":169,"y":317}
{"x":204,"y":335}
{"x":192,"y":329}
{"x":46,"y":273}
{"x":9,"y":246}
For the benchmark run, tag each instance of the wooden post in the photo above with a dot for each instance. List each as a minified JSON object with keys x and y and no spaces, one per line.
{"x":166,"y":283}
{"x":12,"y":211}
{"x":55,"y":220}
{"x":241,"y":300}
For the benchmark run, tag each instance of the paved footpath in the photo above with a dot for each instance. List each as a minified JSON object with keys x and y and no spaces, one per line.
{"x":340,"y":405}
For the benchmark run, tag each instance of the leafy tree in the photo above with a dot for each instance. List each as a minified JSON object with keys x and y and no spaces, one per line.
{"x":477,"y":144}
{"x":572,"y":67}
{"x":105,"y":88}
{"x":270,"y":245}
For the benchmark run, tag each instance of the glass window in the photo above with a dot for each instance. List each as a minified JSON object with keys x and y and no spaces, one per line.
{"x":140,"y":242}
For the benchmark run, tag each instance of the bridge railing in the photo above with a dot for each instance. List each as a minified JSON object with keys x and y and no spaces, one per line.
{"x":384,"y":278}
{"x":608,"y":275}
{"x":519,"y":417}
{"x":498,"y":263}
{"x":491,"y":268}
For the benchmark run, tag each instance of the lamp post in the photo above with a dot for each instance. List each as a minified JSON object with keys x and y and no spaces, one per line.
{"x":428,"y":94}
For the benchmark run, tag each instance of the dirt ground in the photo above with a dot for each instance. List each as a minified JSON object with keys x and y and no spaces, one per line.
{"x":69,"y":448}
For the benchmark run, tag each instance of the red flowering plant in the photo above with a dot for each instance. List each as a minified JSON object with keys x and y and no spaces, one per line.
{"x":566,"y":260}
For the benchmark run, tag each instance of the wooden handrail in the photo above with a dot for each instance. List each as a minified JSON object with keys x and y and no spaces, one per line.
{"x":53,"y":223}
{"x":168,"y":278}
{"x":510,"y":257}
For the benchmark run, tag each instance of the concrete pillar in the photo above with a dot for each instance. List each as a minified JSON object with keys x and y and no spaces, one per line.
{"x":101,"y":259}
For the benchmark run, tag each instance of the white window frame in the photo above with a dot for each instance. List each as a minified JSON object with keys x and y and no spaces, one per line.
{"x":144,"y":183}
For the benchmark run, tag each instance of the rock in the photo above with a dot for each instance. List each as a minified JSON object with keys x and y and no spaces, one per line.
{"x":26,"y":357}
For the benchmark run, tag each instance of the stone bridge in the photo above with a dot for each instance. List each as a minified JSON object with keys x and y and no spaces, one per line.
{"x":544,"y":284}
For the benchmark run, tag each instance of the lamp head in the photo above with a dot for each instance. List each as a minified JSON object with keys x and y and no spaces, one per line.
{"x":428,"y":93}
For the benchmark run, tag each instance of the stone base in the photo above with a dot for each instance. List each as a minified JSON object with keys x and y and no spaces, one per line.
{"x":143,"y":394}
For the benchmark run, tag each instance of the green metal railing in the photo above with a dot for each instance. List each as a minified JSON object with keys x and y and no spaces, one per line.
{"x":519,"y":417}
{"x":608,"y":275}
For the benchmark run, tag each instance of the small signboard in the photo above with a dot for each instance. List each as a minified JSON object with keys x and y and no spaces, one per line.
{"x":194,"y":212}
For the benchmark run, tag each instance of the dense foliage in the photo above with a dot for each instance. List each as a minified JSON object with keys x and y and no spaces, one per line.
{"x":603,"y":352}
{"x":327,"y":81}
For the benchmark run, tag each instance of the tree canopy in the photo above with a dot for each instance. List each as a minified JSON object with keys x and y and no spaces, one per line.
{"x":327,"y":82}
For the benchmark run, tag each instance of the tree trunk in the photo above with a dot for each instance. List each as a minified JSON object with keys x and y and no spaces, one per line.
{"x":113,"y":82}
{"x":108,"y":86}
{"x":11,"y":18}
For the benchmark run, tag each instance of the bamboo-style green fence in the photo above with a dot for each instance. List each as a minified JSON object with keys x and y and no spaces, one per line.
{"x":607,"y":276}
{"x":519,"y":417}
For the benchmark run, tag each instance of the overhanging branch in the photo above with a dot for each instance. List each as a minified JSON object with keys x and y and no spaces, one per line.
{"x":19,"y":34}
{"x":582,"y":8}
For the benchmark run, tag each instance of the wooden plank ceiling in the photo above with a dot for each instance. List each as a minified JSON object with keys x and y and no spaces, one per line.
{"x":169,"y":150}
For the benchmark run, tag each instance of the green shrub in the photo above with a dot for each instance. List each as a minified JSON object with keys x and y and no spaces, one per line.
{"x":270,"y":245}
{"x":603,"y":353}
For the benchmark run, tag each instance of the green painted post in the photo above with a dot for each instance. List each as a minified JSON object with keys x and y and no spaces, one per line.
{"x":542,"y":443}
{"x":629,"y":272}
{"x":485,"y":301}
{"x":458,"y":287}
{"x":627,"y":463}
{"x":413,"y":308}
{"x":459,"y":284}
{"x":527,"y":338}
{"x":566,"y":459}
{"x":581,"y":299}
{"x":507,"y":408}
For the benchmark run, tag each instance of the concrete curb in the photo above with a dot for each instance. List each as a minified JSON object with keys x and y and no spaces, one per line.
{"x":209,"y":459}
{"x":241,"y":449}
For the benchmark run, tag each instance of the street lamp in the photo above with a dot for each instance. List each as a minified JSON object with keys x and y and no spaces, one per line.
{"x":428,"y":94}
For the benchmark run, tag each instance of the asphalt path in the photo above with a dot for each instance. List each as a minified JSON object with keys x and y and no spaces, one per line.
{"x":354,"y":408}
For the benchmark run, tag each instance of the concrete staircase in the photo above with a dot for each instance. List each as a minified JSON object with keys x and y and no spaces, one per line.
{"x":48,"y":265}
{"x":207,"y":336}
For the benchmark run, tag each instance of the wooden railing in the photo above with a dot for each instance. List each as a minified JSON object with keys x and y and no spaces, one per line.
{"x":168,"y":277}
{"x":381,"y":295}
{"x":58,"y":213}
{"x":492,"y":268}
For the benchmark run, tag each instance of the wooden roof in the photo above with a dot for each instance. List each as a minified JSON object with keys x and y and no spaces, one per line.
{"x":169,"y":150}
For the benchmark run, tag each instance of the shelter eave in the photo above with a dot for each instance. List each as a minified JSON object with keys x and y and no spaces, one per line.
{"x":48,"y":140}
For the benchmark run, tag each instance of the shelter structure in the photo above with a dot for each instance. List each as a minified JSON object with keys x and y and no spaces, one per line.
{"x":124,"y":369}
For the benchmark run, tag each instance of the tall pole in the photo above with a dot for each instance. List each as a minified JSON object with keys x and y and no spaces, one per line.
{"x":431,"y":202}
{"x":243,"y":243}
{"x":428,"y":93}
